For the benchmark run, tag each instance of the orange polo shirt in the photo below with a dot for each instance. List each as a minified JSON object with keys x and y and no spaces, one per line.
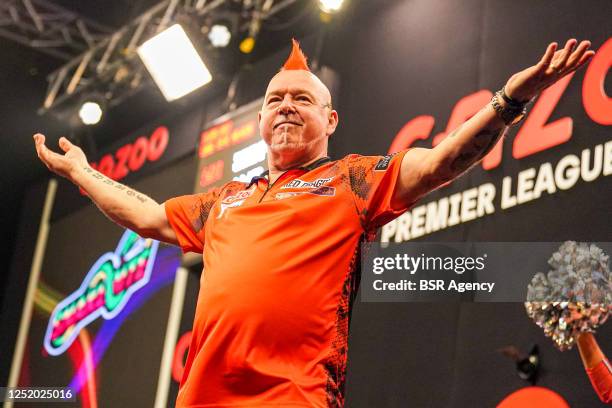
{"x":280,"y":274}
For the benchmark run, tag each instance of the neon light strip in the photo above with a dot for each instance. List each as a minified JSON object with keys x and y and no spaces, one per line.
{"x":168,"y":260}
{"x":109,"y":277}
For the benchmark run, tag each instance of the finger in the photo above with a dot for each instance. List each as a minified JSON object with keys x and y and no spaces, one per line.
{"x":548,"y":55}
{"x":39,"y":142}
{"x":576,"y":55}
{"x":65,"y":144}
{"x":567,"y":50}
{"x":39,"y":138}
{"x":43,"y":154}
{"x":46,"y":155}
{"x":585,"y":58}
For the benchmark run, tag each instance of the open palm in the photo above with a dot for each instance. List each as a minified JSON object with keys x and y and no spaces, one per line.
{"x":62,"y":164}
{"x":554,"y":65}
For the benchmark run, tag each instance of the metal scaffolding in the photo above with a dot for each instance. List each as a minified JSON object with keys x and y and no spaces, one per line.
{"x":107,"y":61}
{"x":49,"y":28}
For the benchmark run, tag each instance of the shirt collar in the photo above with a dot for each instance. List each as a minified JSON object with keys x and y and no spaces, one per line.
{"x":310,"y":167}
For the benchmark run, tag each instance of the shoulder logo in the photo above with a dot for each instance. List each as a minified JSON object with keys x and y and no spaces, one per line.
{"x":384,"y":162}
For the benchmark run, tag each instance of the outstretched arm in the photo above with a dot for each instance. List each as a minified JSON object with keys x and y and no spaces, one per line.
{"x":596,"y":365}
{"x":424,"y":170}
{"x":121,"y":204}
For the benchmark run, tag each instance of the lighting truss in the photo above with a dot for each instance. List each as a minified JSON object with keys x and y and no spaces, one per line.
{"x":49,"y":28}
{"x":112,"y":63}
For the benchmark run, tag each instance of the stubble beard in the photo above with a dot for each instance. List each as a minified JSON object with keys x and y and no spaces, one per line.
{"x":288,"y":153}
{"x":285,"y":144}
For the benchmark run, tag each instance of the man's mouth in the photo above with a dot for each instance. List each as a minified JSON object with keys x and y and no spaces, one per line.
{"x":287,"y":122}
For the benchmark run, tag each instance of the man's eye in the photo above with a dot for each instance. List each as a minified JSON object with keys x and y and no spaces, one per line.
{"x":273,"y":100}
{"x":303,"y":98}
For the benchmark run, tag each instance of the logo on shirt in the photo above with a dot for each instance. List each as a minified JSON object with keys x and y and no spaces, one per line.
{"x":280,"y":196}
{"x":239,"y":196}
{"x":321,"y":191}
{"x":316,"y":187}
{"x":383,"y":163}
{"x":297,"y":183}
{"x":235,"y":200}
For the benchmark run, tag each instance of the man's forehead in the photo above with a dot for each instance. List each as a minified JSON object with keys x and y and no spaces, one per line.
{"x":298,"y":79}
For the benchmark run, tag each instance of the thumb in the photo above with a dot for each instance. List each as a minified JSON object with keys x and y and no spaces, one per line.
{"x":65,"y":144}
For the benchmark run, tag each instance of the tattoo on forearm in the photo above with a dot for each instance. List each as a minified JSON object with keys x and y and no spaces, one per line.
{"x":118,"y":186}
{"x":480,"y":146}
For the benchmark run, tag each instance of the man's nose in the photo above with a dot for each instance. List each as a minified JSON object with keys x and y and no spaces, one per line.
{"x":286,"y":105}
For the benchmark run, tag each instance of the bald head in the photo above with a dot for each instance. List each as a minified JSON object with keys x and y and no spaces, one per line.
{"x":301,"y":79}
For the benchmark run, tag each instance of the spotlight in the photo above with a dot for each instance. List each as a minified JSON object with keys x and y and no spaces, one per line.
{"x":330,"y":6}
{"x":219,"y":35}
{"x":90,"y":113}
{"x":247,"y":45}
{"x":174,"y":63}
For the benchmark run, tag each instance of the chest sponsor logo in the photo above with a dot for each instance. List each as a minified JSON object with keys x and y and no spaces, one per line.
{"x":316,"y":187}
{"x":235,"y":200}
{"x":321,"y":191}
{"x":297,"y":183}
{"x":280,"y":196}
{"x":239,"y":196}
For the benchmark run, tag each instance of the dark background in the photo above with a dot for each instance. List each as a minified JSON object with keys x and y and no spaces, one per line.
{"x":395,"y":60}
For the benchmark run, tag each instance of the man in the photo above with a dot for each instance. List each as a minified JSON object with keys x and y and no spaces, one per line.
{"x":281,"y":252}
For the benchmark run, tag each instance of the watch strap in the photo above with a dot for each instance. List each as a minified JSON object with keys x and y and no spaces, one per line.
{"x":509,"y":113}
{"x":515,"y":103}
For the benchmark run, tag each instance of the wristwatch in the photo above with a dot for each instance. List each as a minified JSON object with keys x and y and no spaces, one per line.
{"x":513,"y":112}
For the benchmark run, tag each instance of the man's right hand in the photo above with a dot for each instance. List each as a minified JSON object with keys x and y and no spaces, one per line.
{"x":120,"y":203}
{"x":63,"y":165}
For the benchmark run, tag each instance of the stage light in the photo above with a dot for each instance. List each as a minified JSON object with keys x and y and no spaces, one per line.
{"x":247,"y":45}
{"x":330,"y":6}
{"x":174,"y":63}
{"x":219,"y":35}
{"x":90,"y":113}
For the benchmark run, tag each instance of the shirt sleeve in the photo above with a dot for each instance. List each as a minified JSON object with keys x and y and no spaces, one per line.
{"x":372,"y":181}
{"x":187,"y":216}
{"x":601,"y":379}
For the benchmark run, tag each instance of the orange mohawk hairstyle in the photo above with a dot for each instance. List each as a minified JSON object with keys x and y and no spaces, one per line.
{"x":297,"y":60}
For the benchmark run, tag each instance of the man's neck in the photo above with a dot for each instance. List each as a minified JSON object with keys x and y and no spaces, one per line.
{"x":274,"y":173}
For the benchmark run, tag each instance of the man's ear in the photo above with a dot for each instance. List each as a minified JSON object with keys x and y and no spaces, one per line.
{"x":332,"y":122}
{"x":258,"y":117}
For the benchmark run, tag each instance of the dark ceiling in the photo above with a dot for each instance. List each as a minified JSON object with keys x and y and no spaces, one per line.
{"x":22,"y":78}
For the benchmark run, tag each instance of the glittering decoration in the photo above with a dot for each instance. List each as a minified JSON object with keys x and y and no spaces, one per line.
{"x":575,"y":296}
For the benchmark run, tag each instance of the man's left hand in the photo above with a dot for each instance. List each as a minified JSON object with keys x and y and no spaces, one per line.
{"x":554,"y":65}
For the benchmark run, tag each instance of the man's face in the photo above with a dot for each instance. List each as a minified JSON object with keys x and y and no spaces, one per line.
{"x":296,"y":117}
